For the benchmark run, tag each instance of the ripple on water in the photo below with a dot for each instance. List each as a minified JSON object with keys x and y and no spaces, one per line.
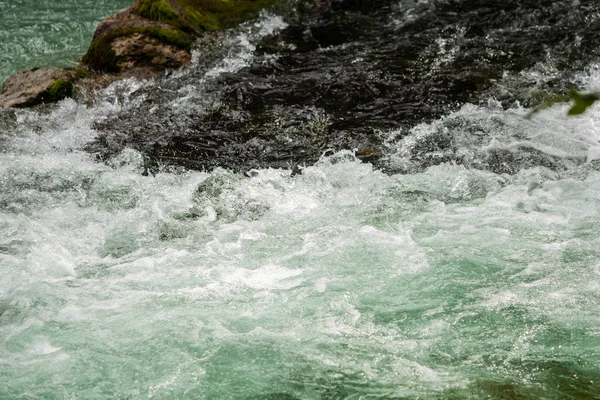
{"x":456,"y":280}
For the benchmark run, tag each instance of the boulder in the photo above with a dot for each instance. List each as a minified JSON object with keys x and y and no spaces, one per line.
{"x":158,"y":34}
{"x":127,"y":41}
{"x":148,"y":37}
{"x":361,"y":75}
{"x":30,"y":87}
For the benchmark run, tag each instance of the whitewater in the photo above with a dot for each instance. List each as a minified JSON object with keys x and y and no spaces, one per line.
{"x":339,"y":282}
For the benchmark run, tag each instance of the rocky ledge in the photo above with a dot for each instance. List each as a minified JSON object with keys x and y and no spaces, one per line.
{"x":147,"y":38}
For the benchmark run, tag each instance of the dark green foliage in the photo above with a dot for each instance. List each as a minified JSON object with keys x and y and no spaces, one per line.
{"x":59,"y":90}
{"x":582,"y":101}
{"x":541,"y":100}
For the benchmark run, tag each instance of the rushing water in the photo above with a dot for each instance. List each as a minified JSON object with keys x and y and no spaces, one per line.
{"x":341,"y":282}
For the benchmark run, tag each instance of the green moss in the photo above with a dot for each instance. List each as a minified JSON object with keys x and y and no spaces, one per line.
{"x":81,"y":73}
{"x":101,"y":56}
{"x":222,"y":14}
{"x":197,"y":15}
{"x":157,"y":10}
{"x":60,"y":89}
{"x":178,"y":39}
{"x":200,"y":20}
{"x":203,"y":15}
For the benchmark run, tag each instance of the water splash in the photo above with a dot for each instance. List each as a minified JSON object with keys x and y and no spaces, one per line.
{"x":461,"y":279}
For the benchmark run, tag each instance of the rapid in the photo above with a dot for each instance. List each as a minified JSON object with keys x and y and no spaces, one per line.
{"x":337,"y":281}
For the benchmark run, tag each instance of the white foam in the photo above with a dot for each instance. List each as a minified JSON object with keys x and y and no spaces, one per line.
{"x":270,"y":277}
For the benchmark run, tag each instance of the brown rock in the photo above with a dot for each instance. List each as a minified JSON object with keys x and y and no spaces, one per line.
{"x":138,"y":50}
{"x":129,"y":43}
{"x":124,"y":20}
{"x":158,"y":34}
{"x":30,"y":87}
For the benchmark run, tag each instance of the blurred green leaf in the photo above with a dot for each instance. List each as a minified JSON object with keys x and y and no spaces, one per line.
{"x":544,"y":100}
{"x":582,"y":101}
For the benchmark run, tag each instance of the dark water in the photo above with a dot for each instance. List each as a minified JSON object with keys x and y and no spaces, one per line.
{"x":343,"y":72}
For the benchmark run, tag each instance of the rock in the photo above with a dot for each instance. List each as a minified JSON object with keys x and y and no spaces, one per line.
{"x":127,"y":41}
{"x":8,"y":120}
{"x":124,"y":19}
{"x":158,"y":34}
{"x":360,"y":75}
{"x":148,"y":37}
{"x":30,"y":87}
{"x":142,"y":50}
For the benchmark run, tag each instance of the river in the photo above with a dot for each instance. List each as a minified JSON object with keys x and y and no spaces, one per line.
{"x":340,"y":282}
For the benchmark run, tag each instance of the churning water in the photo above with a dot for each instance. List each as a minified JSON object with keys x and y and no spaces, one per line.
{"x":341,"y":282}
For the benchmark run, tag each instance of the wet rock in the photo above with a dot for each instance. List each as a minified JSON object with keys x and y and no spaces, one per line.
{"x":30,"y":87}
{"x":158,"y":34}
{"x":345,"y":71}
{"x":148,"y":37}
{"x":127,"y":41}
{"x":142,"y":50}
{"x":8,"y":119}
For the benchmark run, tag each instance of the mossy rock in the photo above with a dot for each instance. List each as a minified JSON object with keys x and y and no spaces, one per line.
{"x":223,"y":14}
{"x":157,"y":10}
{"x":202,"y":15}
{"x":60,"y":89}
{"x":170,"y":22}
{"x":102,"y":57}
{"x":38,"y":85}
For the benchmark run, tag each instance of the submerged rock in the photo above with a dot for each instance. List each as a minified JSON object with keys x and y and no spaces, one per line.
{"x":30,"y":87}
{"x":345,"y":72}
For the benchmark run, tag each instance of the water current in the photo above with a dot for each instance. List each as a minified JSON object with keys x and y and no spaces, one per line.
{"x":40,"y":33}
{"x":341,"y":282}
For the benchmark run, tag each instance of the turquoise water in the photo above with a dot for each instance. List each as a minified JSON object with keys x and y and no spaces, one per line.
{"x":338,"y":283}
{"x":38,"y":33}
